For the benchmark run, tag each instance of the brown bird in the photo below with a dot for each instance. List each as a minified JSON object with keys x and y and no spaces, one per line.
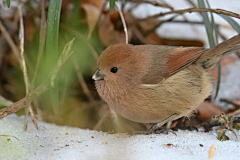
{"x":157,"y":84}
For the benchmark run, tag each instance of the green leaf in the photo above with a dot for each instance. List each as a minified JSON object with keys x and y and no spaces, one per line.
{"x":232,"y":22}
{"x":8,"y":3}
{"x":112,"y":5}
{"x":75,"y":14}
{"x":52,"y":56}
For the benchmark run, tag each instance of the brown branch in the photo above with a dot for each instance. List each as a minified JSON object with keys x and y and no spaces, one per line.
{"x":41,"y":88}
{"x":155,"y":3}
{"x":233,"y":113}
{"x":10,"y":41}
{"x":190,"y":10}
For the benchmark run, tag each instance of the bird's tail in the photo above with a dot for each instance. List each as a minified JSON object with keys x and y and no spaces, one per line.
{"x":211,"y":57}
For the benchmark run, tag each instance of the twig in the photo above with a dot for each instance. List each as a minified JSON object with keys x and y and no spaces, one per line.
{"x":226,"y":120}
{"x":192,"y":3}
{"x":211,"y":123}
{"x":41,"y":88}
{"x":155,"y":3}
{"x":196,"y":22}
{"x":82,"y":82}
{"x":123,"y":22}
{"x":238,"y":54}
{"x":42,"y":38}
{"x":129,"y":10}
{"x":24,"y":68}
{"x":10,"y":41}
{"x":10,"y":136}
{"x":190,"y":10}
{"x":156,"y":26}
{"x":233,"y":113}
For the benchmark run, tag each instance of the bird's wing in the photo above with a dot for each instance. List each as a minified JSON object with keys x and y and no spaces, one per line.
{"x":167,"y":62}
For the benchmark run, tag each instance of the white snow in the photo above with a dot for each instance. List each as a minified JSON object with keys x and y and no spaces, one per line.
{"x":52,"y":142}
{"x":230,"y":85}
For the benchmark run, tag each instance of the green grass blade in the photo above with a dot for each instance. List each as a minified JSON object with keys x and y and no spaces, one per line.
{"x":212,"y":37}
{"x":232,"y":22}
{"x":208,"y":24}
{"x":112,"y":5}
{"x":216,"y":42}
{"x":213,"y":25}
{"x":75,"y":13}
{"x":54,"y":11}
{"x":8,"y":3}
{"x":218,"y":81}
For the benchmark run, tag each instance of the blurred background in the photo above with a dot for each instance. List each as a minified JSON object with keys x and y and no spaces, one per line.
{"x":94,"y":28}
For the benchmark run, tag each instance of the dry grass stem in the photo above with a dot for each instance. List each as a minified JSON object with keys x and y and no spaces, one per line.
{"x":10,"y":41}
{"x":190,"y":10}
{"x":155,"y":3}
{"x":102,"y":119}
{"x":123,"y":22}
{"x":82,"y":81}
{"x":42,"y":38}
{"x":24,"y":68}
{"x":233,"y":113}
{"x":41,"y":88}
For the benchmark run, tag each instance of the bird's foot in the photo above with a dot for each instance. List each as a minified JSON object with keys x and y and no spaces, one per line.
{"x":190,"y":128}
{"x":155,"y":130}
{"x":180,"y":125}
{"x":164,"y":131}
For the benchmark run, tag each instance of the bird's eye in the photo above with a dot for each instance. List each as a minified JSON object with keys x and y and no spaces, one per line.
{"x":114,"y":70}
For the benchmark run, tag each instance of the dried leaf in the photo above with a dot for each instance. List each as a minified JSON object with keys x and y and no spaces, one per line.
{"x":211,"y":151}
{"x":236,"y":126}
{"x":237,"y":102}
{"x":99,"y":3}
{"x":105,"y":142}
{"x":224,"y":63}
{"x":207,"y":110}
{"x":222,"y":136}
{"x":107,"y":33}
{"x":171,"y":145}
{"x":92,"y":14}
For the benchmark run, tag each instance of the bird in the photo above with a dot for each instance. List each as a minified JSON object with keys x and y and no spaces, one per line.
{"x":157,"y":83}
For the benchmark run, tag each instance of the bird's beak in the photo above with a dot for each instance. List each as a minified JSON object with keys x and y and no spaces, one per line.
{"x":97,"y":76}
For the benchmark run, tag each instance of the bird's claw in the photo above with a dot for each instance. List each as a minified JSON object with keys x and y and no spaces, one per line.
{"x":190,"y":128}
{"x":164,"y":131}
{"x":154,"y":130}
